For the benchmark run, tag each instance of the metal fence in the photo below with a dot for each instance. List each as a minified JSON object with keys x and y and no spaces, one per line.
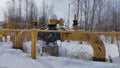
{"x":110,"y":41}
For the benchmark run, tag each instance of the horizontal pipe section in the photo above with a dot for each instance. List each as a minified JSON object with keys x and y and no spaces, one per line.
{"x":63,"y":31}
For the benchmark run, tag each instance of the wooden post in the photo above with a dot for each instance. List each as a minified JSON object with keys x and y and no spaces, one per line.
{"x":33,"y":47}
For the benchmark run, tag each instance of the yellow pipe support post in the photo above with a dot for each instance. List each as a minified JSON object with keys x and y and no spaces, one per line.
{"x":112,"y":39}
{"x":34,"y":39}
{"x":33,"y":47}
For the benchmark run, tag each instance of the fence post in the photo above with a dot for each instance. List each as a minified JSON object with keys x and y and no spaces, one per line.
{"x":33,"y":47}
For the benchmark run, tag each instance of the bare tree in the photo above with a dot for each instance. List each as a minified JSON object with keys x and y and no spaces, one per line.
{"x":21,"y":11}
{"x":45,"y":12}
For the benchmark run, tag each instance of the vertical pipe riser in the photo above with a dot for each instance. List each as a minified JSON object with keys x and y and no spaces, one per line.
{"x":33,"y":47}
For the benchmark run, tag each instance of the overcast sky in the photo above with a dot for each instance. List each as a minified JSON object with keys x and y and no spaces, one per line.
{"x":61,"y":6}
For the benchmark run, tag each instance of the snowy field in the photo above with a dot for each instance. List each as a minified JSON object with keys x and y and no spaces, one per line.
{"x":72,"y":55}
{"x":12,"y":58}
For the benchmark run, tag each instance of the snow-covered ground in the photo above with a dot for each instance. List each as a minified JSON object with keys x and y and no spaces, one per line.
{"x":13,"y":58}
{"x":72,"y":55}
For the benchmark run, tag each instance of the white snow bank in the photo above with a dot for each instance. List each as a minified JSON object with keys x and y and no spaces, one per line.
{"x":7,"y":44}
{"x":2,"y":67}
{"x":73,"y":49}
{"x":116,"y":60}
{"x":15,"y":58}
{"x":11,"y":58}
{"x":112,"y":50}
